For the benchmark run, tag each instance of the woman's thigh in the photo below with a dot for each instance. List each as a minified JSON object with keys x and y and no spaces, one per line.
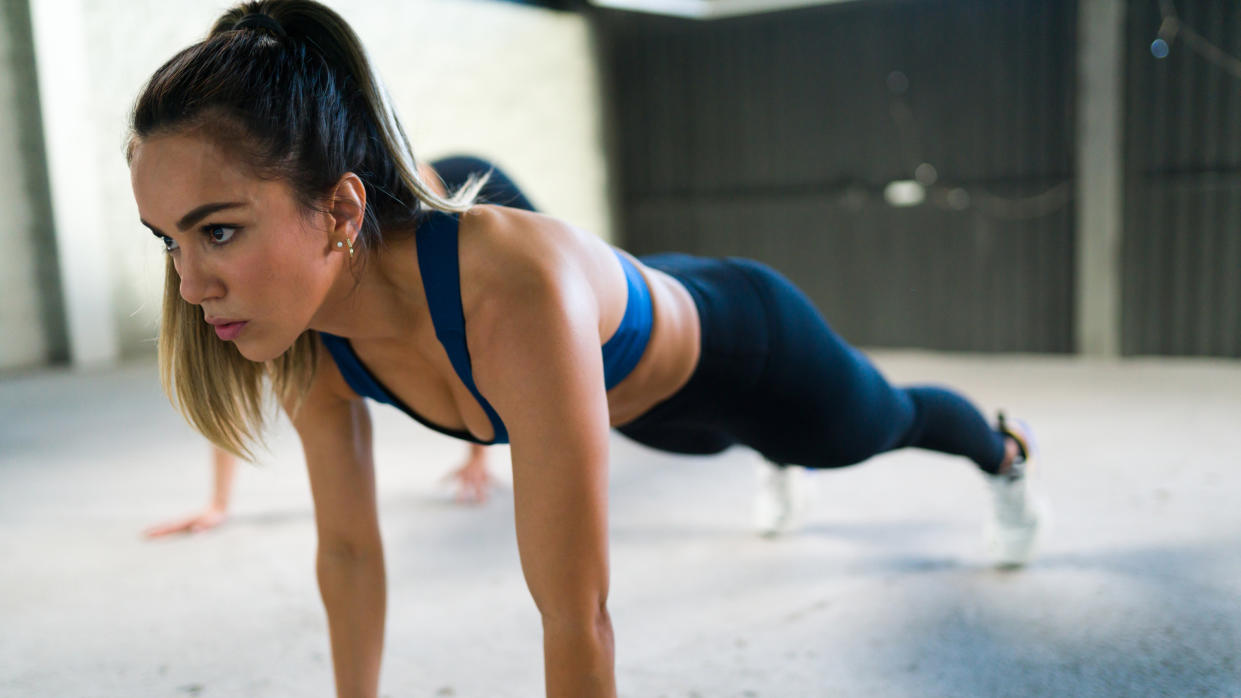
{"x":773,"y":375}
{"x":820,"y":402}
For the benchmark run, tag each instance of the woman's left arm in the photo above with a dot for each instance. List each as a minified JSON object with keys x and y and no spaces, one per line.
{"x":538,"y":362}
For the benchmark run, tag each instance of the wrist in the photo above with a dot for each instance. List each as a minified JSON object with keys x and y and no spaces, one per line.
{"x":579,"y":655}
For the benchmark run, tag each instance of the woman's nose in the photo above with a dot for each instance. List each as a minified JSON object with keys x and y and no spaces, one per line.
{"x":197,"y":284}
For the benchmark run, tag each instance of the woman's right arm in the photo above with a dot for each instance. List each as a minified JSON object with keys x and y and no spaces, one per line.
{"x":335,"y":429}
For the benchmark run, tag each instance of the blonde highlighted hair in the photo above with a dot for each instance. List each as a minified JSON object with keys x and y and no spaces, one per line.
{"x":286,"y":87}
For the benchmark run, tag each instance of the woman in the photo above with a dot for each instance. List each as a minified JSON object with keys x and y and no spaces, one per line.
{"x":473,"y":481}
{"x":305,"y":250}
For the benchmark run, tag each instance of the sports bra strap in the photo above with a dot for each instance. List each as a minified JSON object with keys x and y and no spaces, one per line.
{"x":441,"y":281}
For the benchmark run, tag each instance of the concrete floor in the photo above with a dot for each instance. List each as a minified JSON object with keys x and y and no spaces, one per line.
{"x":886,"y":591}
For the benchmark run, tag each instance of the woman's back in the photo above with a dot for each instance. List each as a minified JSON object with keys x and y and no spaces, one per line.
{"x":505,"y":257}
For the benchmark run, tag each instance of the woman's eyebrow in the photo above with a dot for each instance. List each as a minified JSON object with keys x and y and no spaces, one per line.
{"x":189,"y":219}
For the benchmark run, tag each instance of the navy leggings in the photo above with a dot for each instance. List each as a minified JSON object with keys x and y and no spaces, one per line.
{"x":499,"y":189}
{"x":774,"y":376}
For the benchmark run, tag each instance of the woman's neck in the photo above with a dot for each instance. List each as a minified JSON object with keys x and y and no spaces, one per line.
{"x":378,"y":298}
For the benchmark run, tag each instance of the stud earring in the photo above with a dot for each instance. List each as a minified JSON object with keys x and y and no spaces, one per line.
{"x":340,"y":243}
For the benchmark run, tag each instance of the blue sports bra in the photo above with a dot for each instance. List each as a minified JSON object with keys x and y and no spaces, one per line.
{"x":436,"y":242}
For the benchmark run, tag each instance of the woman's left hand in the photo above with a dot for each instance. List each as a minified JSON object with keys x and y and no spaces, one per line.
{"x":205,"y":520}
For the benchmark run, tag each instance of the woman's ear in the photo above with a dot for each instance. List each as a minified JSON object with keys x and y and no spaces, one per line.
{"x":347,"y":207}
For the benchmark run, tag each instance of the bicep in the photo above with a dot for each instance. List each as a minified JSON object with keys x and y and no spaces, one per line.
{"x":335,"y":431}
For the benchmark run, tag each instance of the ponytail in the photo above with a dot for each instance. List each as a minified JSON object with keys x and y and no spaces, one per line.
{"x":286,"y":88}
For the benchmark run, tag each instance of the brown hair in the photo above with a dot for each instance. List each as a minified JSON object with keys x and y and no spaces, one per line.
{"x":286,"y":87}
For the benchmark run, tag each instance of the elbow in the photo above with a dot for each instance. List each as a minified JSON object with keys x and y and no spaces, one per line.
{"x":339,"y":563}
{"x":583,"y":640}
{"x":575,"y":619}
{"x":347,"y":550}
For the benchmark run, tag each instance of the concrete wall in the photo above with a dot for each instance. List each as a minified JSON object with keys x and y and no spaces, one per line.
{"x":31,"y":331}
{"x":512,"y":83}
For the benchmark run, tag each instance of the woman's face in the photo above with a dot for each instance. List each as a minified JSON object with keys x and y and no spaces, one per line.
{"x":242,"y":247}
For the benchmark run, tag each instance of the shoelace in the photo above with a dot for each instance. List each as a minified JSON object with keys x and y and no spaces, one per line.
{"x":1017,"y":470}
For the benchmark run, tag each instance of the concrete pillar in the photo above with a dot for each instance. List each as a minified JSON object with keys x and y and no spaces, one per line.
{"x":1100,"y":182}
{"x":62,"y":66}
{"x":24,"y":327}
{"x":61,"y":60}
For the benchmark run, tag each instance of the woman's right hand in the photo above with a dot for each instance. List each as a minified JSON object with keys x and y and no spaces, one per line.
{"x":473,"y":481}
{"x":205,"y":520}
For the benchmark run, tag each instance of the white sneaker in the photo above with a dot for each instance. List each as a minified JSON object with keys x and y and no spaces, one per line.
{"x":781,"y":501}
{"x":1019,"y":513}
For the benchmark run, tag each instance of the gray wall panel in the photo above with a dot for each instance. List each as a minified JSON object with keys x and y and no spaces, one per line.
{"x":1182,"y":249}
{"x":773,"y":136}
{"x":934,"y":279}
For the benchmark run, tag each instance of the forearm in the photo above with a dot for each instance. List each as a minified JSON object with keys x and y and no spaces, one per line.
{"x":354,"y":591}
{"x":224,"y":472}
{"x":579,"y":657}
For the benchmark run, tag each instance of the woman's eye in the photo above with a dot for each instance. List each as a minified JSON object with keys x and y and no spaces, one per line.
{"x":169,"y":243}
{"x":220,"y":234}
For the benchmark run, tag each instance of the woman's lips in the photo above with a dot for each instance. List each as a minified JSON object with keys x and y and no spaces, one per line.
{"x":230,"y":330}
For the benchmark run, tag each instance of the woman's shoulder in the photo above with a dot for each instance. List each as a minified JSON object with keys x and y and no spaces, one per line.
{"x":525,"y":284}
{"x":521,"y":269}
{"x":506,"y":250}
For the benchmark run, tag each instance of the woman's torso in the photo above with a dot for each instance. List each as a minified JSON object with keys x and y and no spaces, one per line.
{"x":415,"y":367}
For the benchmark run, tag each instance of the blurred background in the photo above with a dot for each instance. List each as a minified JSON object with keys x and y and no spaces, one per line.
{"x":1051,"y":176}
{"x":513,"y":83}
{"x":1035,"y":201}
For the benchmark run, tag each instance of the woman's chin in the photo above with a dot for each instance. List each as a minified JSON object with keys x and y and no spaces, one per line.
{"x":258,"y":352}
